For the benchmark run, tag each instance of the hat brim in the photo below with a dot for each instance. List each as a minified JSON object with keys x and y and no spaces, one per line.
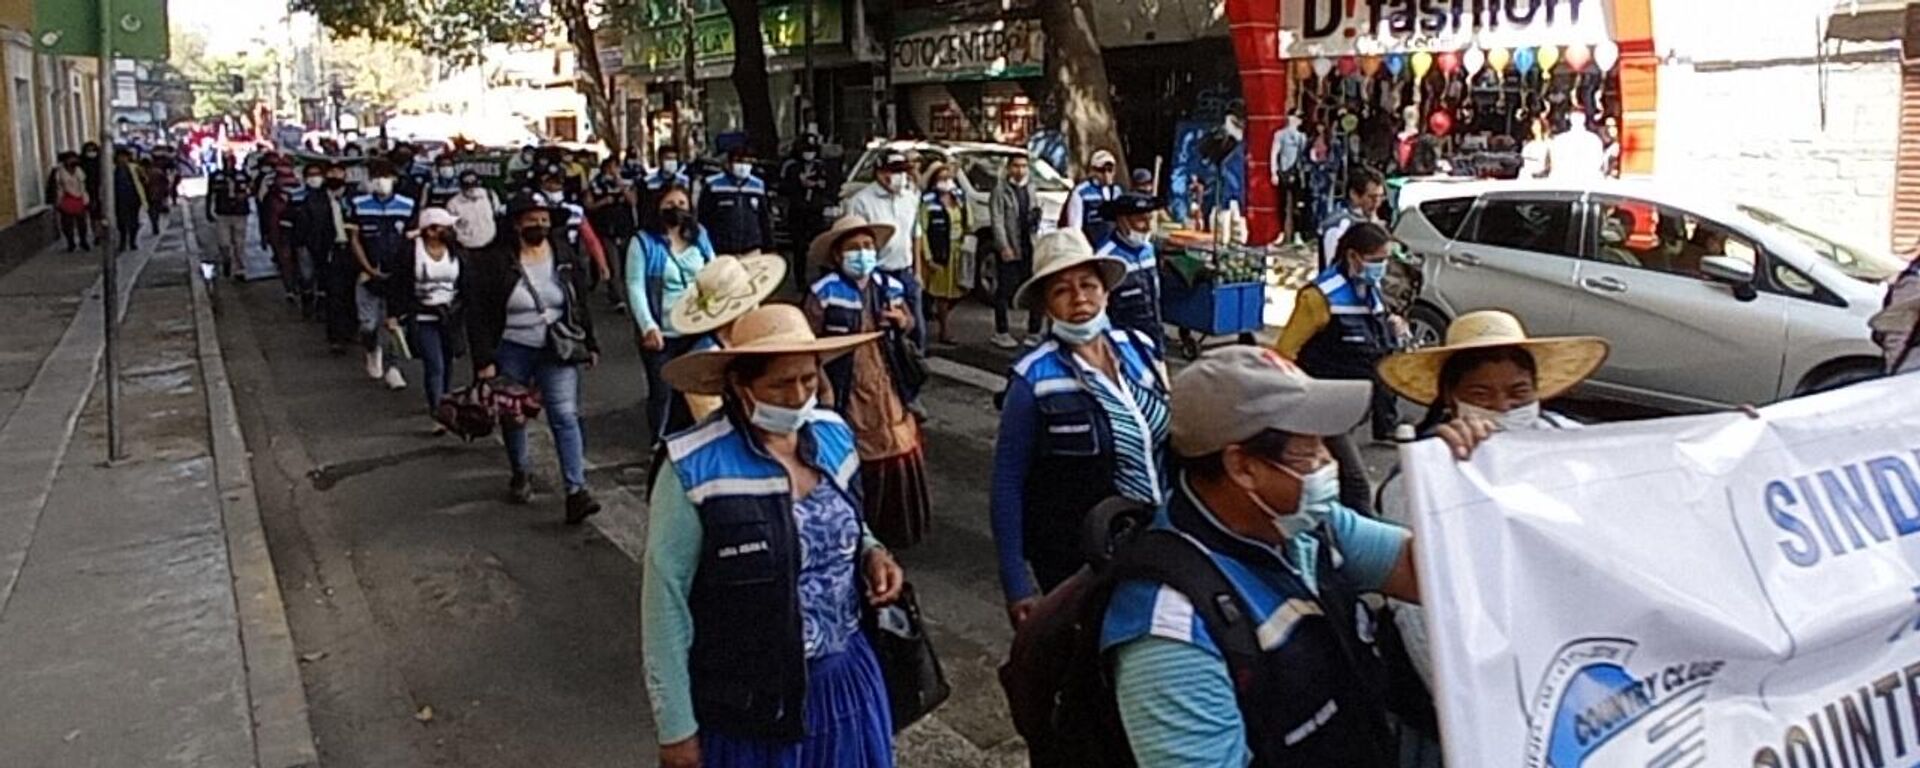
{"x":1111,"y":270}
{"x":705,"y":372}
{"x":819,"y":251}
{"x":1560,"y":364}
{"x":764,"y":275}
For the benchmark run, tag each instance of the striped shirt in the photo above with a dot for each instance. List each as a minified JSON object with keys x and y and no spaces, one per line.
{"x":1139,"y":419}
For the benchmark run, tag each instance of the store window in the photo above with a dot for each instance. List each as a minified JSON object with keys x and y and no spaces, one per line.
{"x":29,"y":193}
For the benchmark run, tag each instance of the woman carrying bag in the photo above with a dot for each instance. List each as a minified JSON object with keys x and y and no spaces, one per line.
{"x":758,"y":566}
{"x":868,"y":386}
{"x":427,"y":301}
{"x":528,"y":322}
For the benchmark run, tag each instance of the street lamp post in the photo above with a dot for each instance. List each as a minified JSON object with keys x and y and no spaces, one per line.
{"x":109,"y":261}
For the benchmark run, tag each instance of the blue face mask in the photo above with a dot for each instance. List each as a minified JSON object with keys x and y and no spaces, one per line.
{"x":860,"y":263}
{"x":1373,"y":271}
{"x":782,"y":421}
{"x":1077,"y":334}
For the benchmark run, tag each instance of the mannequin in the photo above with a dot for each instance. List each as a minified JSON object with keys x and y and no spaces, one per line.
{"x":1409,"y":135}
{"x":1289,"y":143}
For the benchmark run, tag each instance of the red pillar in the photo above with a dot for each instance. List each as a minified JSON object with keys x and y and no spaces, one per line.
{"x":1263,"y":82}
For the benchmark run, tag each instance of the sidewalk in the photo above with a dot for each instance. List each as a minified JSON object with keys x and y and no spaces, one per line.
{"x":138,"y":612}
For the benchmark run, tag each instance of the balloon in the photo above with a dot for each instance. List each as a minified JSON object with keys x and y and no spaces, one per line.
{"x":1440,"y":123}
{"x":1370,"y":65}
{"x":1396,"y":63}
{"x":1348,"y":65}
{"x":1548,"y":56}
{"x":1474,"y":60}
{"x":1499,"y":58}
{"x":1422,"y":62}
{"x":1302,"y":69}
{"x":1349,"y":123}
{"x":1322,"y":65}
{"x":1448,"y":62}
{"x":1523,"y":60}
{"x":1578,"y":57}
{"x":1606,"y":54}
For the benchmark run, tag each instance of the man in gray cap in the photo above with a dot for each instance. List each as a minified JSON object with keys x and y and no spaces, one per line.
{"x":1257,"y":491}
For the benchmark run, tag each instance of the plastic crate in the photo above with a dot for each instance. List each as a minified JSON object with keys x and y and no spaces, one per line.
{"x":1214,"y":309}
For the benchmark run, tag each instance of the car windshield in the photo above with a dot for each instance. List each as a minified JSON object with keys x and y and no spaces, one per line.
{"x":1854,"y":262}
{"x":985,"y":168}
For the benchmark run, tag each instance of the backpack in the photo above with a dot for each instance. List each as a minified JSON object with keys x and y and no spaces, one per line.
{"x":1058,"y":686}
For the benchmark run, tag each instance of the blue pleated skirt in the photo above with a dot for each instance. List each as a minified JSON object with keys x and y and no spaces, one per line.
{"x":848,"y":724}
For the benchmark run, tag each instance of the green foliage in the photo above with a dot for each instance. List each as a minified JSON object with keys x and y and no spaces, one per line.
{"x":209,"y":76}
{"x":451,"y":31}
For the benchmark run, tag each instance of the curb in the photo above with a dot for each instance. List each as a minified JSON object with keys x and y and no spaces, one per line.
{"x":277,"y":700}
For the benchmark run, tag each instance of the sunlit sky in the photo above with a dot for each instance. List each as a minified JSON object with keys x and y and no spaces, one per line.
{"x":228,"y":25}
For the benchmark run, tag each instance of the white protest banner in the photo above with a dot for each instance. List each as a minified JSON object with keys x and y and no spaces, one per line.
{"x":1712,"y":590}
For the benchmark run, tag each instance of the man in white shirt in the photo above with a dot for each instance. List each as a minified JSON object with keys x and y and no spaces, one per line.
{"x":476,"y":206}
{"x":1576,"y":153}
{"x":893,"y":201}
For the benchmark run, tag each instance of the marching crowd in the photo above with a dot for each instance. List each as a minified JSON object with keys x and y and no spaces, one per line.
{"x":789,"y":449}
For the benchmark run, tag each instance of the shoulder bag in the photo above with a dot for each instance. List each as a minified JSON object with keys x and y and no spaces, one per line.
{"x":565,"y":338}
{"x":916,"y":685}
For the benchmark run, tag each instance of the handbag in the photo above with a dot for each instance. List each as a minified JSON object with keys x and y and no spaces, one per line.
{"x":908,"y":368}
{"x":72,"y":205}
{"x":916,"y":685}
{"x":565,"y":338}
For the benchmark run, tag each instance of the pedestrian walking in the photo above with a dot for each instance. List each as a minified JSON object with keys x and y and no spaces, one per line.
{"x":945,"y":225}
{"x":1014,"y":216}
{"x":779,"y":674}
{"x":1083,"y":418}
{"x":278,"y":201}
{"x":867,"y":387}
{"x":475,"y":208}
{"x":130,"y":198}
{"x":702,"y":318}
{"x":157,"y":177}
{"x":734,"y":207}
{"x":803,"y":181}
{"x":411,"y":176}
{"x":1340,"y":329}
{"x":229,"y":203}
{"x":1366,"y":191}
{"x":526,"y":322}
{"x":892,"y":200}
{"x":669,"y":172}
{"x":381,"y":218}
{"x":570,"y":221}
{"x":446,"y":182}
{"x":1255,"y":479}
{"x":1135,"y":302}
{"x":428,"y":297}
{"x":609,"y":205}
{"x":662,"y":264}
{"x":90,"y":160}
{"x":294,"y":226}
{"x":1083,"y":208}
{"x":1897,"y":326}
{"x":327,"y":228}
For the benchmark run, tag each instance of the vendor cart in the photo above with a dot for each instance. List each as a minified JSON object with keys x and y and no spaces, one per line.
{"x":1212,"y":291}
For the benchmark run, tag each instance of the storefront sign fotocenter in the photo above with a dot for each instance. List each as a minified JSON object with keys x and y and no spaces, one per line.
{"x":1341,"y":27}
{"x":1000,"y":50}
{"x":1716,"y":590}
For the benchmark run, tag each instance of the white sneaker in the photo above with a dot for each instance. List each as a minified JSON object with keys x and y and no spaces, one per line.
{"x":395,"y":380}
{"x":375,"y":366}
{"x":1004,"y":341}
{"x":1034,"y":339}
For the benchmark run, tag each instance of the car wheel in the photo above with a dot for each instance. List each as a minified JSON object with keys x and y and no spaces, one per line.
{"x":1835,"y":379}
{"x":1428,"y":326}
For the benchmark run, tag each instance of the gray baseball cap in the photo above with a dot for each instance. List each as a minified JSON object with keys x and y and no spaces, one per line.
{"x":1232,"y":394}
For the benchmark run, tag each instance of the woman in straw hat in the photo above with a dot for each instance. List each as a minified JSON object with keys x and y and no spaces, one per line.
{"x":726,"y":289}
{"x":1488,"y":370}
{"x":757,"y":562}
{"x":1084,"y":418}
{"x":856,"y":298}
{"x":662,"y":262}
{"x":944,"y":224}
{"x":522,"y":288}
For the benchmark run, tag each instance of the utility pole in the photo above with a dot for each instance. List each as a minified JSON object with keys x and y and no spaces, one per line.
{"x":806,"y":85}
{"x":109,"y":260}
{"x":689,"y":91}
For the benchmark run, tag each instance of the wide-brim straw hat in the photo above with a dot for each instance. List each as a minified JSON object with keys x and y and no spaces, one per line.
{"x":1560,"y":362}
{"x":1059,"y":251}
{"x":724,"y":290}
{"x":774,"y":329}
{"x":821,"y":251}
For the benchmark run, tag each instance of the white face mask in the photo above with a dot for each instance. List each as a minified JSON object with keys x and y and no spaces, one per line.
{"x":1319,"y":492}
{"x":1520,"y":419}
{"x":382,"y":187}
{"x":809,"y":155}
{"x":946,"y":185}
{"x":742,"y":170}
{"x":315,"y":182}
{"x":1080,"y":334}
{"x":477,"y":193}
{"x":670,"y":166}
{"x":782,"y":421}
{"x":447,"y":172}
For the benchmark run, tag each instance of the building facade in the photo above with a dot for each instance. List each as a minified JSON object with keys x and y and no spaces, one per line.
{"x":48,"y":104}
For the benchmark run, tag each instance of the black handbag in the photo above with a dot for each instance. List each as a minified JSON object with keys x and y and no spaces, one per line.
{"x":565,"y":338}
{"x":904,"y":362}
{"x":916,"y":685}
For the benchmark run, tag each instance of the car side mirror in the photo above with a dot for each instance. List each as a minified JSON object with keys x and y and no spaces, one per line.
{"x":1735,"y":273}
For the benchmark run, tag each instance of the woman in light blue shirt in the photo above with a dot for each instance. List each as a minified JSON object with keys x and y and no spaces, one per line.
{"x":661,"y":265}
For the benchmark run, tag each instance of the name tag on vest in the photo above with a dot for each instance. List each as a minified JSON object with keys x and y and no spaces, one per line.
{"x":744,"y":549}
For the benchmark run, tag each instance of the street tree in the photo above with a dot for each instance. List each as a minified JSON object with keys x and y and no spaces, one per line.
{"x":457,"y":32}
{"x":211,"y":76}
{"x":1078,"y":72}
{"x":750,"y":77}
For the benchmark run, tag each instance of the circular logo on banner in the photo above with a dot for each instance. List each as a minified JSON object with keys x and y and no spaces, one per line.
{"x":131,"y":24}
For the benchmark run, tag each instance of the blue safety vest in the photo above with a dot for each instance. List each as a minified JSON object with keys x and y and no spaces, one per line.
{"x":383,"y":228}
{"x":735,"y":211}
{"x":841,"y":307}
{"x":1092,"y":195}
{"x":1356,"y":336}
{"x":1135,"y":302}
{"x":748,"y":660}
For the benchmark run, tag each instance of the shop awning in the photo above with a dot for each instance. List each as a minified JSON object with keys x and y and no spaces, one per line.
{"x":1868,"y":20}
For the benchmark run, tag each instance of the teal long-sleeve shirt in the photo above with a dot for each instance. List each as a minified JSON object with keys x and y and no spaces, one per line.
{"x":666,"y":618}
{"x":681,"y":269}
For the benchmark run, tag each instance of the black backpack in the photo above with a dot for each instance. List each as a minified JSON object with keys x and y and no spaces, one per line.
{"x":1058,"y":685}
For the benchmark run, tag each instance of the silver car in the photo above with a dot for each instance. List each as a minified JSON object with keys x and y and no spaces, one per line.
{"x":1708,"y":303}
{"x":979,"y":167}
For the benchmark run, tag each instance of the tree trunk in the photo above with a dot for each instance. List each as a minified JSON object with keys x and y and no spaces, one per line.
{"x":750,"y":77}
{"x":1078,"y":72}
{"x":587,"y":75}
